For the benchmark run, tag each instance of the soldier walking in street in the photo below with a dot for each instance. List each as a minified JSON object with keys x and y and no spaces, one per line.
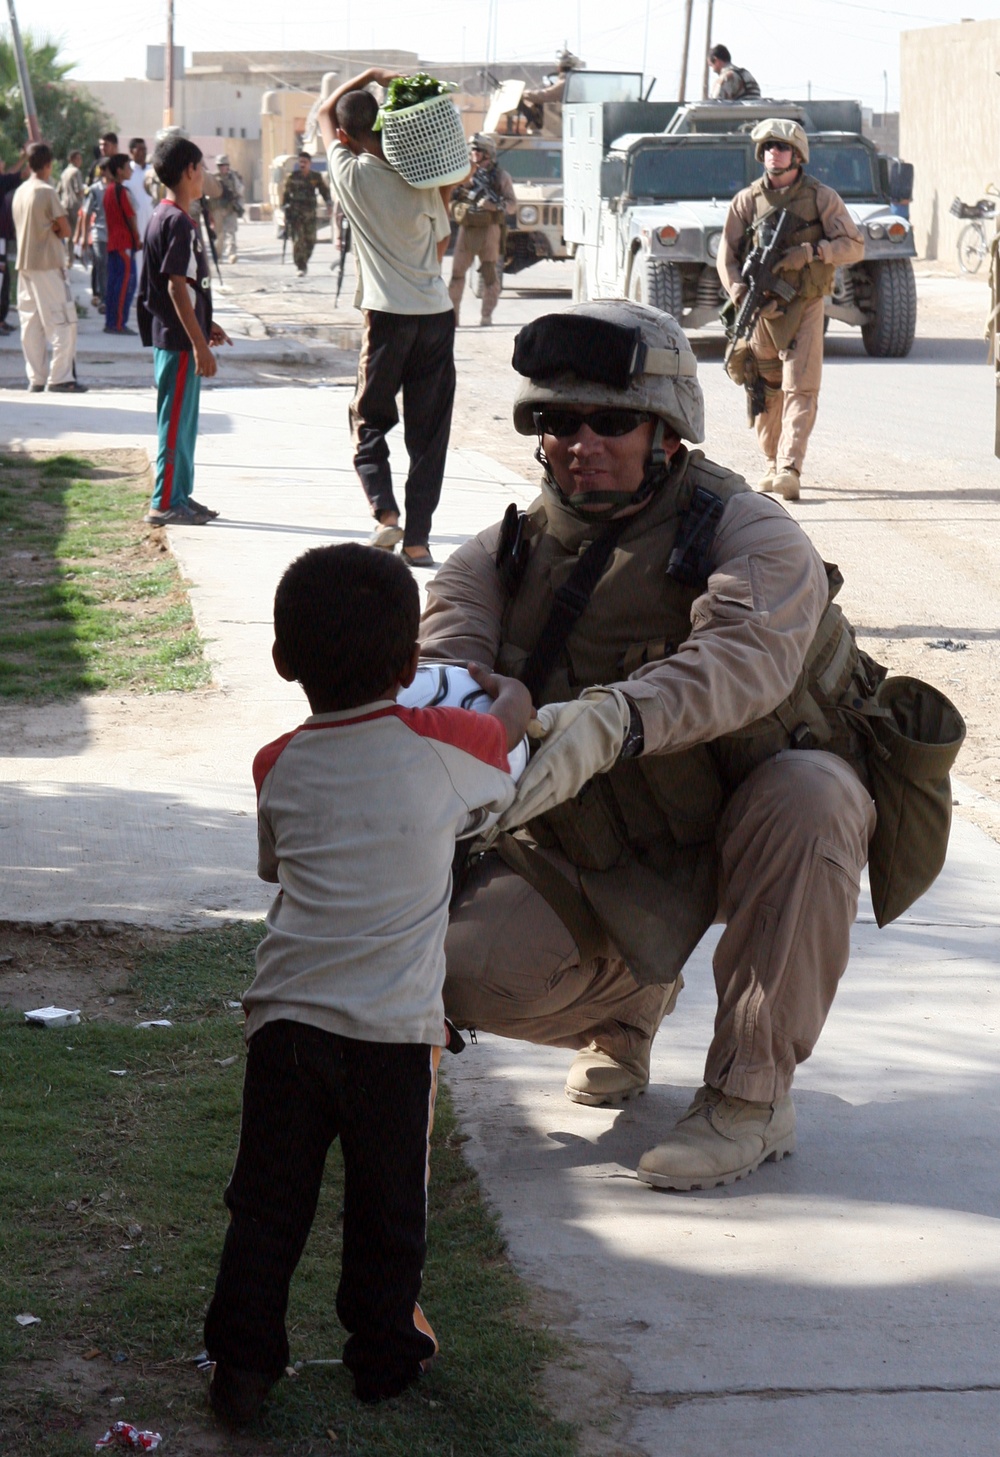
{"x":226,"y":209}
{"x":786,"y":346}
{"x":299,"y":203}
{"x":734,"y":83}
{"x":480,"y":207}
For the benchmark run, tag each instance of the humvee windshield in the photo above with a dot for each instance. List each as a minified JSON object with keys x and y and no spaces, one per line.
{"x":849,"y":170}
{"x":528,"y":165}
{"x":688,"y":173}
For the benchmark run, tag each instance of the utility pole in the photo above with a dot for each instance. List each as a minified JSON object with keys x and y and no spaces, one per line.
{"x":24,"y":80}
{"x":708,"y":47}
{"x":168,"y":69}
{"x":688,"y":7}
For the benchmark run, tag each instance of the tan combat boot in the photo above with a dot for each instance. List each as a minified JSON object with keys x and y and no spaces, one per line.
{"x":598,"y":1077}
{"x":786,"y":483}
{"x":766,"y":482}
{"x":718,"y":1141}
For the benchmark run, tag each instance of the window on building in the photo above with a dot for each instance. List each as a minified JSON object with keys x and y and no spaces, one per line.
{"x":218,"y":131}
{"x":243,"y":132}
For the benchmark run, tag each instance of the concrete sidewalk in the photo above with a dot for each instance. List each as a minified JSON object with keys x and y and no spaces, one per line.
{"x":842,"y":1302}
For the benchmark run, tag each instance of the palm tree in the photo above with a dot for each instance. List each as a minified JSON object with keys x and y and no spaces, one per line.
{"x":67,"y":114}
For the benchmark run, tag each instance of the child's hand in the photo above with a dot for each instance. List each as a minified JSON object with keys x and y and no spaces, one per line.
{"x":204,"y":361}
{"x":511,"y":701}
{"x":218,"y":335}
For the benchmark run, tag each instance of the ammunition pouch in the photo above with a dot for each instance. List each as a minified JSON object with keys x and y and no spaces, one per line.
{"x":914,"y":735}
{"x":469,"y":216}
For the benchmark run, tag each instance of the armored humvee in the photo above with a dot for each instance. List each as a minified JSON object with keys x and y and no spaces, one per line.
{"x":647,"y":185}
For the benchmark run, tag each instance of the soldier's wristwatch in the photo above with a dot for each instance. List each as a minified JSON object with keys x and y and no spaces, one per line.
{"x":635,"y":739}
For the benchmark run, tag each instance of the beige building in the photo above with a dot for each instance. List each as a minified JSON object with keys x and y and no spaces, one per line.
{"x":220,"y":97}
{"x":949,"y":125}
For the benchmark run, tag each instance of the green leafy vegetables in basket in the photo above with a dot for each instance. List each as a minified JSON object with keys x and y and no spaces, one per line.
{"x":407,"y":91}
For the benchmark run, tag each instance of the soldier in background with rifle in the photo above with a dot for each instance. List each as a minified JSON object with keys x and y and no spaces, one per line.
{"x":480,"y":208}
{"x":299,"y":203}
{"x":782,"y":364}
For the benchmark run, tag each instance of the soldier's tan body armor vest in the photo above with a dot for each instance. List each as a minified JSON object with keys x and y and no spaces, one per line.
{"x":643,"y":835}
{"x":816,"y":279}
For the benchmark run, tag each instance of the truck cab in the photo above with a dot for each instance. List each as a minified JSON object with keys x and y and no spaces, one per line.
{"x":647,"y":194}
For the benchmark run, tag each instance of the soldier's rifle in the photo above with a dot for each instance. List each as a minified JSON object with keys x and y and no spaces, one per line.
{"x":480,"y":191}
{"x":345,"y":246}
{"x":207,"y":219}
{"x":763,"y":283}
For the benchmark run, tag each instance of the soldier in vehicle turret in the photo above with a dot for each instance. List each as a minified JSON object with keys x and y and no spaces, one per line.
{"x":786,"y":346}
{"x":733,"y":83}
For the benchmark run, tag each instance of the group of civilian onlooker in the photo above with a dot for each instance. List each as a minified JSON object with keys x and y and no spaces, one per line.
{"x":97,"y":217}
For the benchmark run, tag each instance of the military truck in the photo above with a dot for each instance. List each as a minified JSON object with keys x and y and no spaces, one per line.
{"x":530,"y":147}
{"x":647,"y":186}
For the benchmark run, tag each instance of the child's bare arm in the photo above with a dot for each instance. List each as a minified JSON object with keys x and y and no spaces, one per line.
{"x":511,"y":701}
{"x":180,"y":297}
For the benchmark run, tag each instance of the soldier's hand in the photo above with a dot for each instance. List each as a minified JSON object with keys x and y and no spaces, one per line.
{"x":578,"y":740}
{"x":795,"y":259}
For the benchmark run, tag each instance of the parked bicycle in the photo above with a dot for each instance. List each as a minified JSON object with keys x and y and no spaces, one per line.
{"x":973,"y":240}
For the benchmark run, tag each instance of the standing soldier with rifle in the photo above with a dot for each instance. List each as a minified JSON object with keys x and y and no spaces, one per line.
{"x":299,"y":203}
{"x":480,"y":208}
{"x":782,"y":366}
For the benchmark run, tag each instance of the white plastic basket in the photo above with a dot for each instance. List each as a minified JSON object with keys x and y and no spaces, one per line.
{"x":426,"y":143}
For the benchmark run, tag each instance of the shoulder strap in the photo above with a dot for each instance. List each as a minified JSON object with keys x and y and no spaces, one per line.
{"x":570,"y":601}
{"x":691,"y":559}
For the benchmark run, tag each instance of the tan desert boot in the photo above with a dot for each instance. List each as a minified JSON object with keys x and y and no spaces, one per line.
{"x":597,"y":1077}
{"x":786,"y":483}
{"x":766,"y":482}
{"x":718,"y":1141}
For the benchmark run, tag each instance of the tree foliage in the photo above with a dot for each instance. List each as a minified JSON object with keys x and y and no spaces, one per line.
{"x":67,"y":113}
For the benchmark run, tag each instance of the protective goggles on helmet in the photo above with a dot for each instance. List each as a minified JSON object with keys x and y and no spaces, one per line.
{"x":594,"y":350}
{"x":608,"y":423}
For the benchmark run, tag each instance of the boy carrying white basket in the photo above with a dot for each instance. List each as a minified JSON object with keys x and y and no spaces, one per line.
{"x":400,"y":234}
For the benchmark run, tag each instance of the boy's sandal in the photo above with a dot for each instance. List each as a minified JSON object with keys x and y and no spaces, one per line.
{"x":386,"y":537}
{"x":202,"y":510}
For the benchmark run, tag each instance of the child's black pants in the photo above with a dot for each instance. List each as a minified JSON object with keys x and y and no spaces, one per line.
{"x":303,"y":1088}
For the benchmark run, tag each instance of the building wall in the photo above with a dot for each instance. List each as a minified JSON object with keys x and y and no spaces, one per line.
{"x":949,"y":125}
{"x":219,"y":116}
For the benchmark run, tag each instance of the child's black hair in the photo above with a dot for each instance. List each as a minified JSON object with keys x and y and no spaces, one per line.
{"x":116,"y":164}
{"x":172,"y":158}
{"x":345,"y":623}
{"x":356,"y":114}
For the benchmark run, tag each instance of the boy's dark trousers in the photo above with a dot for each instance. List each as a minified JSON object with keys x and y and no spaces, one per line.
{"x":303,"y":1088}
{"x":415,"y":353}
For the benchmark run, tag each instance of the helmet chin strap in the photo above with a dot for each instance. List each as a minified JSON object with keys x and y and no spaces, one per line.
{"x":605,"y":505}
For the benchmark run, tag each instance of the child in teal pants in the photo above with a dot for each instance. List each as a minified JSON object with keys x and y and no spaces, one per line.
{"x":175,"y":317}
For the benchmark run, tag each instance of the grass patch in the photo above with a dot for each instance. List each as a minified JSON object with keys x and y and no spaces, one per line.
{"x":111,"y":1222}
{"x":89,"y":599}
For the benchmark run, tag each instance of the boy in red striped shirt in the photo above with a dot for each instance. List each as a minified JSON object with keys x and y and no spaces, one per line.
{"x":358,"y":811}
{"x":175,"y":316}
{"x":123,"y":244}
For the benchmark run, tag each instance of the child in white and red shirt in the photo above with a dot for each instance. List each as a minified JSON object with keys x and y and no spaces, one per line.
{"x":358,"y":813}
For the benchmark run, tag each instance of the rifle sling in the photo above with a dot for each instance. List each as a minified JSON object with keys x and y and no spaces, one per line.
{"x":569,"y":603}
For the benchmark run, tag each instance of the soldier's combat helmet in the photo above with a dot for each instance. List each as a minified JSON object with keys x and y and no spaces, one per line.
{"x":780,"y":129}
{"x":222,"y":161}
{"x":485,"y":143}
{"x":610,"y":352}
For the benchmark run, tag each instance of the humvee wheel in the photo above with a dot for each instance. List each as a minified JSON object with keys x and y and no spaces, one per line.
{"x":658,"y":284}
{"x":889,"y":332}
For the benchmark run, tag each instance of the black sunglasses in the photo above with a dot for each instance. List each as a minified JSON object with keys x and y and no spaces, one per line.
{"x":611,"y":422}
